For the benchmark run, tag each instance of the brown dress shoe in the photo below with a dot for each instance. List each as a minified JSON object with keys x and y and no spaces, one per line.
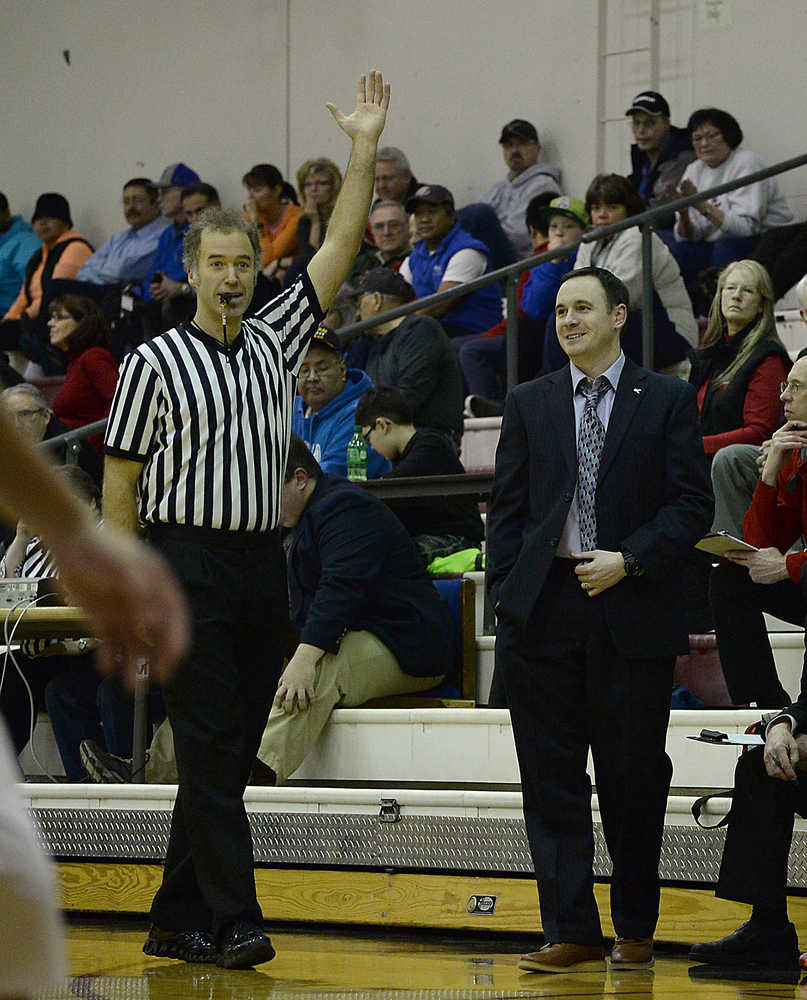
{"x":565,"y":958}
{"x":632,"y":953}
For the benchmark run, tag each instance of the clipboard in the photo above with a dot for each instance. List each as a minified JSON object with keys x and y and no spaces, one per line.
{"x":718,"y":543}
{"x":718,"y":739}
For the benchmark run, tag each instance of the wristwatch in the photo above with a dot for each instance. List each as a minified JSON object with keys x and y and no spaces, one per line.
{"x":632,"y":567}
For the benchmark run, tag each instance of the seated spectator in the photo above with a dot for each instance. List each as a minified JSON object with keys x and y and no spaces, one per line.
{"x":78,"y":328}
{"x":483,"y":359}
{"x":660,"y":155}
{"x":371,"y":622}
{"x":742,"y":363}
{"x":389,"y":226}
{"x":411,"y":354}
{"x":61,"y":674}
{"x":272,"y":206}
{"x":61,"y":255}
{"x":736,"y":467}
{"x":325,"y":407}
{"x":445,"y":256}
{"x":36,"y":421}
{"x":611,"y":198}
{"x":18,"y":243}
{"x":439,"y":527}
{"x":167,"y":281}
{"x":480,"y":221}
{"x":753,"y":869}
{"x":526,"y":178}
{"x":126,"y":257}
{"x":770,"y":580}
{"x":393,"y":175}
{"x":196,"y":198}
{"x":727,"y":228}
{"x":319,"y":182}
{"x":782,"y":251}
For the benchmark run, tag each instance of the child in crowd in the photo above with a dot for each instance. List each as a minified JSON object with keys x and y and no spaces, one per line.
{"x":446,"y":524}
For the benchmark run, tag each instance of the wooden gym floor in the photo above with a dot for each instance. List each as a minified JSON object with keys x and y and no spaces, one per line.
{"x":106,"y":963}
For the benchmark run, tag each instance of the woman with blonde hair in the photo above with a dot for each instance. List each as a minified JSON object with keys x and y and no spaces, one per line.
{"x":742,"y":362}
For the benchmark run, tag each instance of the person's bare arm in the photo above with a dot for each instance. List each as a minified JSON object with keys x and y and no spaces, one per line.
{"x":331,"y":264}
{"x":128,"y":593}
{"x":120,"y":492}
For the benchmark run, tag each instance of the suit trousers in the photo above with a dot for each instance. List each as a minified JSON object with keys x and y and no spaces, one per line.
{"x":569,"y":689}
{"x":754,"y":864}
{"x":738,"y":606}
{"x":218,"y":702}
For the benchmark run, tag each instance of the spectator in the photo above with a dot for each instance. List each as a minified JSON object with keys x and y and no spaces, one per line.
{"x":438,"y":527}
{"x":611,"y":198}
{"x":18,"y":243}
{"x":78,"y":328}
{"x":445,"y":256}
{"x":660,"y":155}
{"x":35,"y":420}
{"x":736,"y":467}
{"x":61,"y":255}
{"x":768,"y":580}
{"x":126,"y":257}
{"x":371,"y":622}
{"x":61,"y":674}
{"x":272,"y":206}
{"x":526,"y":178}
{"x":742,"y":363}
{"x":393,"y":175}
{"x":412,"y":354}
{"x":196,"y":198}
{"x":324,"y":409}
{"x":714,"y":233}
{"x":167,"y":279}
{"x":389,"y":227}
{"x":319,"y":182}
{"x":483,"y":358}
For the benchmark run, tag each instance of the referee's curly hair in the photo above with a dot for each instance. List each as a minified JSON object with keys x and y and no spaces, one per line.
{"x":221,"y":220}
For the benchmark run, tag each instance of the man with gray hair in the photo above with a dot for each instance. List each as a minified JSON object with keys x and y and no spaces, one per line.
{"x":526,"y":179}
{"x":393,"y":175}
{"x":196,"y":450}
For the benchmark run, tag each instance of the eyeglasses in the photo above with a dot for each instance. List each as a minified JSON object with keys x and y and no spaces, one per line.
{"x":60,"y":316}
{"x":702,"y":137}
{"x":374,"y":426}
{"x":319,"y":370}
{"x":28,"y":414}
{"x":317,"y":184}
{"x":389,"y":227}
{"x":792,"y":387}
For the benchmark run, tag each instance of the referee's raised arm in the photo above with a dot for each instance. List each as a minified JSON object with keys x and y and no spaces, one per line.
{"x":331,"y":264}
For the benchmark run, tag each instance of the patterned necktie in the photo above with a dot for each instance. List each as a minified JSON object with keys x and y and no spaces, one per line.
{"x":589,"y":449}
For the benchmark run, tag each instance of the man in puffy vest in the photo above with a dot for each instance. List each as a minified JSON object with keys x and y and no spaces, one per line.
{"x":444,"y":256}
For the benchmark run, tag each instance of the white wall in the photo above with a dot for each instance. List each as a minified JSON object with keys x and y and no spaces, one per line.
{"x":151,"y":82}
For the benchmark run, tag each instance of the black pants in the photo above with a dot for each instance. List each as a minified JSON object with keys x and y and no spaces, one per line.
{"x":568,"y":689}
{"x":754,"y":865}
{"x":738,"y":606}
{"x":218,"y":702}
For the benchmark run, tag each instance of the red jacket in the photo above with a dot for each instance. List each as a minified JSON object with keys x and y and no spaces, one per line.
{"x":778,"y":514}
{"x":88,"y":388}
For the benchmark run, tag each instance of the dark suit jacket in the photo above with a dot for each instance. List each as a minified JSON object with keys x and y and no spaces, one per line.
{"x":653,"y":498}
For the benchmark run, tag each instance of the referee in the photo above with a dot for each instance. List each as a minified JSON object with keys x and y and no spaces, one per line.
{"x":195,"y":452}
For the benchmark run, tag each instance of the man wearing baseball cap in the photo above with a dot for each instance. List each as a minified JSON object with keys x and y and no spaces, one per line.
{"x":525,"y":179}
{"x":411,"y":354}
{"x":445,"y":256}
{"x":327,"y":395}
{"x":661,"y":151}
{"x":167,"y":280}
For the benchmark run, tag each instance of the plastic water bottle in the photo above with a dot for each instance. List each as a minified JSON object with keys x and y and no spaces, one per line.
{"x":357,"y":456}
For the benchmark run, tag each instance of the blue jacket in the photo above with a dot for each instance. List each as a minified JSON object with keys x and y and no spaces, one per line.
{"x":352,"y":566}
{"x":327,"y":432}
{"x":474,"y":313}
{"x":168,"y":257}
{"x":541,"y":288}
{"x":18,"y":244}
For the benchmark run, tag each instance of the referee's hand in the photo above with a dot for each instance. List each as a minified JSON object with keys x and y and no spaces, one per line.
{"x":372,"y":101}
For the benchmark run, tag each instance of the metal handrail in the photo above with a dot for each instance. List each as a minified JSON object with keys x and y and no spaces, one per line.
{"x":511,"y":274}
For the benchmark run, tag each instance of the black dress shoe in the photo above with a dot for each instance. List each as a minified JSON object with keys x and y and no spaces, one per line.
{"x":190,"y":946}
{"x":243,"y":945}
{"x":751,"y":944}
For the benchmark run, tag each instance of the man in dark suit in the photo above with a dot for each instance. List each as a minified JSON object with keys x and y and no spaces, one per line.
{"x":600,"y":489}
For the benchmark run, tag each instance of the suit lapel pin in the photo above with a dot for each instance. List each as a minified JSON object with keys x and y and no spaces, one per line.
{"x":637,"y":391}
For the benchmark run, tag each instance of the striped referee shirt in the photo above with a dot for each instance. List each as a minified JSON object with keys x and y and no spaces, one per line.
{"x":211,"y":423}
